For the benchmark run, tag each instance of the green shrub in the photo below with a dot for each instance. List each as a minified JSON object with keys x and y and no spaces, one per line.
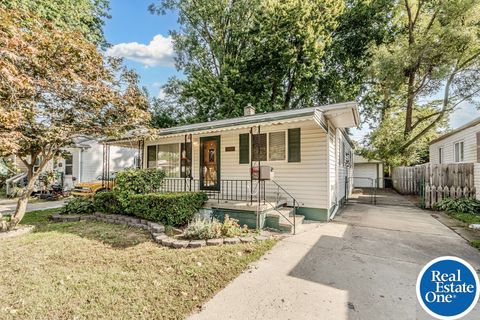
{"x":203,"y":229}
{"x":107,"y":202}
{"x":137,"y":181}
{"x":172,"y":209}
{"x":209,"y":229}
{"x":460,"y":205}
{"x":78,"y":206}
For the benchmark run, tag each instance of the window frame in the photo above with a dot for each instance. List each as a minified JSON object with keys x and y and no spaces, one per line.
{"x":69,"y":165}
{"x":179,"y":162}
{"x":285,"y":160}
{"x":461,"y":151}
{"x":179,"y":145}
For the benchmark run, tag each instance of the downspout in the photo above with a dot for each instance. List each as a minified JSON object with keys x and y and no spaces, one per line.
{"x":329,"y":198}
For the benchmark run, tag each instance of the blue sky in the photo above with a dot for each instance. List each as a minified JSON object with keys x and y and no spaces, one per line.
{"x":131,"y":30}
{"x":142,"y":39}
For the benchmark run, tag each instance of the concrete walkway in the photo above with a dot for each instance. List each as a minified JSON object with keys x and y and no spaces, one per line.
{"x":8,"y":207}
{"x":362,"y":266}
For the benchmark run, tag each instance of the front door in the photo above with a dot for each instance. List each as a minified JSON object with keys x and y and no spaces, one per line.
{"x":210,"y":163}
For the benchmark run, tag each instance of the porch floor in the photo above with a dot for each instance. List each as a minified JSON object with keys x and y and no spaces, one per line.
{"x":244,"y":205}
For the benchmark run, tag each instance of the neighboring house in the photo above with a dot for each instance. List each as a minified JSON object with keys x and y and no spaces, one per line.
{"x":308,"y":150}
{"x":459,"y":145}
{"x":367,"y":173}
{"x":83,"y":163}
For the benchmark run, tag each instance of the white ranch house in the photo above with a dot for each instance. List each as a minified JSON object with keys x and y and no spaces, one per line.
{"x":308,"y":151}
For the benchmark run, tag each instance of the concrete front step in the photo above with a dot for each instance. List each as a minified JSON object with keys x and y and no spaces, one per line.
{"x":286,"y":226}
{"x":284,"y":213}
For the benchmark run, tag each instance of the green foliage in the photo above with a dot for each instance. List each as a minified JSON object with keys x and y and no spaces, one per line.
{"x":85,"y":15}
{"x":231,"y":228}
{"x":107,"y":202}
{"x":459,"y":205}
{"x":431,"y":68}
{"x":203,"y":229}
{"x":385,"y":142}
{"x":82,"y":205}
{"x":263,"y":52}
{"x":361,"y":25}
{"x":211,"y":229}
{"x":173,"y":209}
{"x":135,"y":181}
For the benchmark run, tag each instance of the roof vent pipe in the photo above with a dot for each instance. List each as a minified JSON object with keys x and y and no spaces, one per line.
{"x":248,"y":110}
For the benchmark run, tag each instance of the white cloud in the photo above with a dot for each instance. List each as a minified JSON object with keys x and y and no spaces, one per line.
{"x":159,"y":52}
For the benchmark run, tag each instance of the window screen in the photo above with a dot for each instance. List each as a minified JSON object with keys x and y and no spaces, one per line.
{"x":276,"y":145}
{"x":169,"y":159}
{"x":151,"y":156}
{"x":69,"y":164}
{"x":259,"y":147}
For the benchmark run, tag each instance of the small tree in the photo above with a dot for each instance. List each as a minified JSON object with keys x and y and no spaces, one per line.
{"x":55,"y":85}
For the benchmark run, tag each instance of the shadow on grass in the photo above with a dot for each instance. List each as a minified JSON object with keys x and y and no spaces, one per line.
{"x":117,"y":236}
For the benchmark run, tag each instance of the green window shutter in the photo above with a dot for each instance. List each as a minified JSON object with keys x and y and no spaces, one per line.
{"x":294,"y":145}
{"x":244,"y":148}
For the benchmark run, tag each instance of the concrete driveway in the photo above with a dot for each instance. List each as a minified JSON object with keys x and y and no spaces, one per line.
{"x":362,"y":266}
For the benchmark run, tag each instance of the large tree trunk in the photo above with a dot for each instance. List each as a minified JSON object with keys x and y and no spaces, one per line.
{"x":23,"y":200}
{"x":410,"y":100}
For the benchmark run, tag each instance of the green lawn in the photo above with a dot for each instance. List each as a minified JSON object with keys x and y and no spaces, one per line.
{"x":465,"y":217}
{"x":92,"y":270}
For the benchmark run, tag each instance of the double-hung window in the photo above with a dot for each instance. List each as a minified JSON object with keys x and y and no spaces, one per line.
{"x":165,"y":157}
{"x":168,"y":159}
{"x":271,"y":146}
{"x":69,"y":164}
{"x":459,"y":151}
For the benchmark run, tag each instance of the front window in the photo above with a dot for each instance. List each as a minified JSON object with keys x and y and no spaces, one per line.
{"x":459,"y":151}
{"x":276,"y":146}
{"x":151,"y":156}
{"x":69,"y":164}
{"x":440,"y":155}
{"x":168,"y":159}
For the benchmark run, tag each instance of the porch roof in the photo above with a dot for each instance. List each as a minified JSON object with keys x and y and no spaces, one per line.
{"x":341,"y":115}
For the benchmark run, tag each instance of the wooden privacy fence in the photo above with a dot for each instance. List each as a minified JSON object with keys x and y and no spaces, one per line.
{"x":434,"y":182}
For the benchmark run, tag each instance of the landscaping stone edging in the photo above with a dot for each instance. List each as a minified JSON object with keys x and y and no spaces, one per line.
{"x":156,"y":230}
{"x":16,"y":232}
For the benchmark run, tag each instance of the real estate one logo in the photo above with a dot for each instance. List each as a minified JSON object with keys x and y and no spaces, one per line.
{"x":448,"y":288}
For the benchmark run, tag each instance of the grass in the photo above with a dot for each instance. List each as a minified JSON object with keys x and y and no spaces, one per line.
{"x":90,"y":270}
{"x":475,"y":244}
{"x":465,"y":217}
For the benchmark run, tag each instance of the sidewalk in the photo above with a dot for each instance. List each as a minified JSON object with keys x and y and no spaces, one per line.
{"x":8,"y":207}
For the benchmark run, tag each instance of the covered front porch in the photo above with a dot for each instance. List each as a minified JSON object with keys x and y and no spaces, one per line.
{"x":275,"y":162}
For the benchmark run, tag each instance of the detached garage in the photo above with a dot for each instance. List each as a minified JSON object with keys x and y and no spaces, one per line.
{"x":367,"y":172}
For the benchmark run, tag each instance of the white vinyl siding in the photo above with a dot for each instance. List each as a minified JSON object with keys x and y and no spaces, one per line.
{"x":88,"y":164}
{"x":305,"y":180}
{"x":469,"y":139}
